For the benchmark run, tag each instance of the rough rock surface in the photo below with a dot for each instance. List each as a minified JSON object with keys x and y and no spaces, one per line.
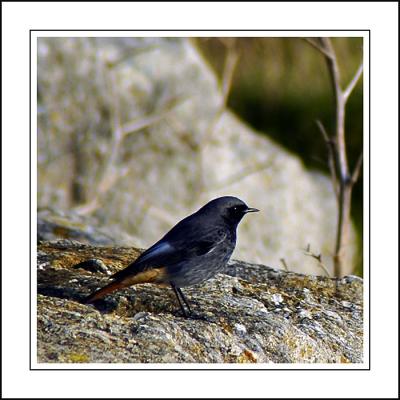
{"x":250,"y":314}
{"x":55,"y":224}
{"x":135,"y":131}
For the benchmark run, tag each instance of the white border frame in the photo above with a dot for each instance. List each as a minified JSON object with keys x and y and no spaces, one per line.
{"x":379,"y":382}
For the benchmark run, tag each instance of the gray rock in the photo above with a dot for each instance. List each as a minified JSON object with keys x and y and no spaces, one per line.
{"x":175,"y":148}
{"x":55,"y":224}
{"x":272,"y":317}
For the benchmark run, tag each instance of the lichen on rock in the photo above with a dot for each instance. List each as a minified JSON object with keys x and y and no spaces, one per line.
{"x":250,"y":314}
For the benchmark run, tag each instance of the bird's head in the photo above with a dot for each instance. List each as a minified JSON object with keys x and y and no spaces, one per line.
{"x":230,"y":208}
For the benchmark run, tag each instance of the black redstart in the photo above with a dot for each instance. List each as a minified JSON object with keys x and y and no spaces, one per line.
{"x":194,"y":250}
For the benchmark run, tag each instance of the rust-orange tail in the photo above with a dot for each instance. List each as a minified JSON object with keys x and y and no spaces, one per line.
{"x":99,"y":294}
{"x":156,"y":275}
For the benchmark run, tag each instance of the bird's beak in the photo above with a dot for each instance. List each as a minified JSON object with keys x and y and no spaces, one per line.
{"x":249,"y":210}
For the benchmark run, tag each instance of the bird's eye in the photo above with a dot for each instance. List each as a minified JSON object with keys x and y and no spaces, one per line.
{"x":235,"y":209}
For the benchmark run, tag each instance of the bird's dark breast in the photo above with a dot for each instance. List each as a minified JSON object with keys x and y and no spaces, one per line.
{"x":199,"y":269}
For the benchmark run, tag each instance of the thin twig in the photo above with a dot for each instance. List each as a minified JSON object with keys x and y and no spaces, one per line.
{"x":323,"y":131}
{"x":330,"y":144}
{"x":146,"y":121}
{"x":230,"y":65}
{"x":318,"y":257}
{"x":109,"y":175}
{"x":161,"y":214}
{"x":318,"y":47}
{"x":356,"y":172}
{"x":353,"y":82}
{"x":237,"y":177}
{"x":333,"y":65}
{"x":285,"y":266}
{"x":342,"y":181}
{"x":229,"y":70}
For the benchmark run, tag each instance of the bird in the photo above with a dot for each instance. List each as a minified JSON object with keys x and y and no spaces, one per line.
{"x":193,"y":251}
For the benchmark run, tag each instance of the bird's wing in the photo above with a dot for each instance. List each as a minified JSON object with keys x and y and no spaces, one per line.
{"x":171,"y":250}
{"x":207,"y":245}
{"x":156,"y":256}
{"x":159,"y":250}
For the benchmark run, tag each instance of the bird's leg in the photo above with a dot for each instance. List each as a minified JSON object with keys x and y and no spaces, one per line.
{"x":184,"y":299}
{"x":179,"y":296}
{"x":178,"y":292}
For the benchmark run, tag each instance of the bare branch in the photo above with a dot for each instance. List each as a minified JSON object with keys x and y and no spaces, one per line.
{"x":318,"y":47}
{"x":356,"y":172}
{"x":318,"y":257}
{"x":110,"y":174}
{"x":161,"y":214}
{"x":323,"y":131}
{"x":353,"y":82}
{"x":334,"y":72}
{"x":230,"y":64}
{"x":151,"y":119}
{"x":339,"y":166}
{"x":330,"y":144}
{"x":229,"y":69}
{"x":88,"y":207}
{"x":143,"y":122}
{"x":333,"y":67}
{"x":244,"y":173}
{"x":285,"y":266}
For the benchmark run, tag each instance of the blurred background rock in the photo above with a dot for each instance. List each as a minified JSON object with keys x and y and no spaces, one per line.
{"x":136,"y":133}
